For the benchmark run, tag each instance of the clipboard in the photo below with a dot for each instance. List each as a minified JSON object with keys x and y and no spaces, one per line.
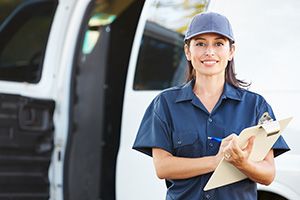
{"x":266,"y":134}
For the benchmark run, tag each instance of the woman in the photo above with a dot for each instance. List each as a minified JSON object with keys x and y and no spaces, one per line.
{"x":213,"y":103}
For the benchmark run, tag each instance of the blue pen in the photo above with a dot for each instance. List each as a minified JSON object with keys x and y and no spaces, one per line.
{"x":215,"y":139}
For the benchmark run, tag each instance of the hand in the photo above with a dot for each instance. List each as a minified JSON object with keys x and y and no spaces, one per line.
{"x":224,"y":144}
{"x":235,"y":155}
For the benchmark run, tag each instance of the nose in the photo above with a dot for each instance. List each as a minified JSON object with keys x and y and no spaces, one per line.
{"x":210,"y":51}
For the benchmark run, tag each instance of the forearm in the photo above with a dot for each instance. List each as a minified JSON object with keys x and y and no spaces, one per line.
{"x":262,"y":172}
{"x":172,"y":167}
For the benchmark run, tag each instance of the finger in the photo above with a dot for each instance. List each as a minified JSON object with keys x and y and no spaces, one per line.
{"x":227,"y":146}
{"x":226,"y":153}
{"x":227,"y":156}
{"x":227,"y":141}
{"x":226,"y":150}
{"x":224,"y":143}
{"x":229,"y":137}
{"x":232,"y":142}
{"x":235,"y":148}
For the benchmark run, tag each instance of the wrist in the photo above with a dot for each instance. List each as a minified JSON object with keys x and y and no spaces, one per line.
{"x":216,"y":160}
{"x":245,"y":165}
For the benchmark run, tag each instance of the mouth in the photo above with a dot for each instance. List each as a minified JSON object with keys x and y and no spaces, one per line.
{"x":209,"y":62}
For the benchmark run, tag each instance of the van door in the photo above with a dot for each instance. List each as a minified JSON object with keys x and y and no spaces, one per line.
{"x":96,"y":98}
{"x":26,"y":119}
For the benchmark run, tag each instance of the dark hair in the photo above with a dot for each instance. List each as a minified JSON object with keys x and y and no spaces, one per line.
{"x":230,"y":75}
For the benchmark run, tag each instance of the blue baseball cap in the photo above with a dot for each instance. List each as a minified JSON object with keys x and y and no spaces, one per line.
{"x":209,"y":22}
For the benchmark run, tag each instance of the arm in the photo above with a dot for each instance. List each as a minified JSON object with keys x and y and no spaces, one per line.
{"x":168,"y":166}
{"x":262,"y":172}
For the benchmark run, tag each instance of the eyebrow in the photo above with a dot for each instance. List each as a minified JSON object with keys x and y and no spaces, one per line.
{"x":217,"y":38}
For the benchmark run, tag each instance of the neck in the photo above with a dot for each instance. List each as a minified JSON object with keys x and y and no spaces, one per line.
{"x":209,"y":86}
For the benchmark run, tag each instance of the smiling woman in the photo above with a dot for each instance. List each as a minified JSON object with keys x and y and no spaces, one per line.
{"x":209,"y":103}
{"x":209,"y":54}
{"x":209,"y":44}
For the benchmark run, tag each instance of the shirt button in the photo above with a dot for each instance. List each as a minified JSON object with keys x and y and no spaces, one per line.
{"x":207,"y":196}
{"x":210,"y":144}
{"x":210,"y":119}
{"x":178,"y":142}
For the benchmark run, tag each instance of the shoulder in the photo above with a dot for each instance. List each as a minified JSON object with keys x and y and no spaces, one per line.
{"x":168,"y":98}
{"x":257,"y":101}
{"x":251,"y":102}
{"x":243,"y":95}
{"x":170,"y":95}
{"x":248,"y":95}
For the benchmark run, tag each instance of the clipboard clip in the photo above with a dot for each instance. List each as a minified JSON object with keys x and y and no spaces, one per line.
{"x":269,"y":125}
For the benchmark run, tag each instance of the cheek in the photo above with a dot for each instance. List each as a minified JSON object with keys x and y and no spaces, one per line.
{"x":195,"y":54}
{"x":225,"y":56}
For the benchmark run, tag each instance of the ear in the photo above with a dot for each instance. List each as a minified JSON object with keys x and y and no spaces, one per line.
{"x":187,"y":52}
{"x":231,"y":53}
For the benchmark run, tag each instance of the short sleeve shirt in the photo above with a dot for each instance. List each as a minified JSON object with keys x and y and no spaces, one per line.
{"x":178,"y":122}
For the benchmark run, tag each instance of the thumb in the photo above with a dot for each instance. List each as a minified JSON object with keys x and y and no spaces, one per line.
{"x":249,"y":146}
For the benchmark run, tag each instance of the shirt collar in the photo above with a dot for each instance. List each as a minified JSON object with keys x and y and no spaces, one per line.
{"x":232,"y":92}
{"x":186,"y":92}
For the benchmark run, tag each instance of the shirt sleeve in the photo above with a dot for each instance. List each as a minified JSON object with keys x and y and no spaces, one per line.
{"x":153,"y":131}
{"x":280,"y":145}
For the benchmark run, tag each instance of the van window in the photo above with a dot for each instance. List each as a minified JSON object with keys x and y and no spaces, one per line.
{"x":161,"y":62}
{"x":24,"y":30}
{"x":104,"y":13}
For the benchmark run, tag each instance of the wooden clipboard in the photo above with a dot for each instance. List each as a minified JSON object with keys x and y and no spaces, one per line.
{"x":265,"y":137}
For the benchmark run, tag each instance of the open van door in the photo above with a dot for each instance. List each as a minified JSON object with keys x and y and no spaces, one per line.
{"x":96,"y":99}
{"x":26,"y":119}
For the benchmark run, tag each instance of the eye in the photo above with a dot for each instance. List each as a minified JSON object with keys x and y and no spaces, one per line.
{"x":218,"y":44}
{"x":201,"y":44}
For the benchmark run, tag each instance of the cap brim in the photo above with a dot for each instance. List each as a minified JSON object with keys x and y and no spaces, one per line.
{"x":211,"y":31}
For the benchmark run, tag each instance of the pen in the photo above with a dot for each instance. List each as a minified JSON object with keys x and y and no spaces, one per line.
{"x":215,"y":139}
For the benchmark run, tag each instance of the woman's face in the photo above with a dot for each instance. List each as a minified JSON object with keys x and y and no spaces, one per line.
{"x":209,"y":54}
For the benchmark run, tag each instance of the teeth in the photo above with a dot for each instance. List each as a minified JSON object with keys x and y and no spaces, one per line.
{"x":209,"y":62}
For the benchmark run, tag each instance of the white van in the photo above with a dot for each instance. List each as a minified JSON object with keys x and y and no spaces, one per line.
{"x":77,"y":75}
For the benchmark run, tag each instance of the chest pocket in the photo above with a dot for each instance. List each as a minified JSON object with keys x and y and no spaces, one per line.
{"x":187,"y":144}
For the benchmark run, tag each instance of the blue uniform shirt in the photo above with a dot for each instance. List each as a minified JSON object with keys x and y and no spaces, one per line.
{"x":177,"y":122}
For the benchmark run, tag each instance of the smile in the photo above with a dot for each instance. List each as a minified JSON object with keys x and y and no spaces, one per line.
{"x":209,"y":62}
